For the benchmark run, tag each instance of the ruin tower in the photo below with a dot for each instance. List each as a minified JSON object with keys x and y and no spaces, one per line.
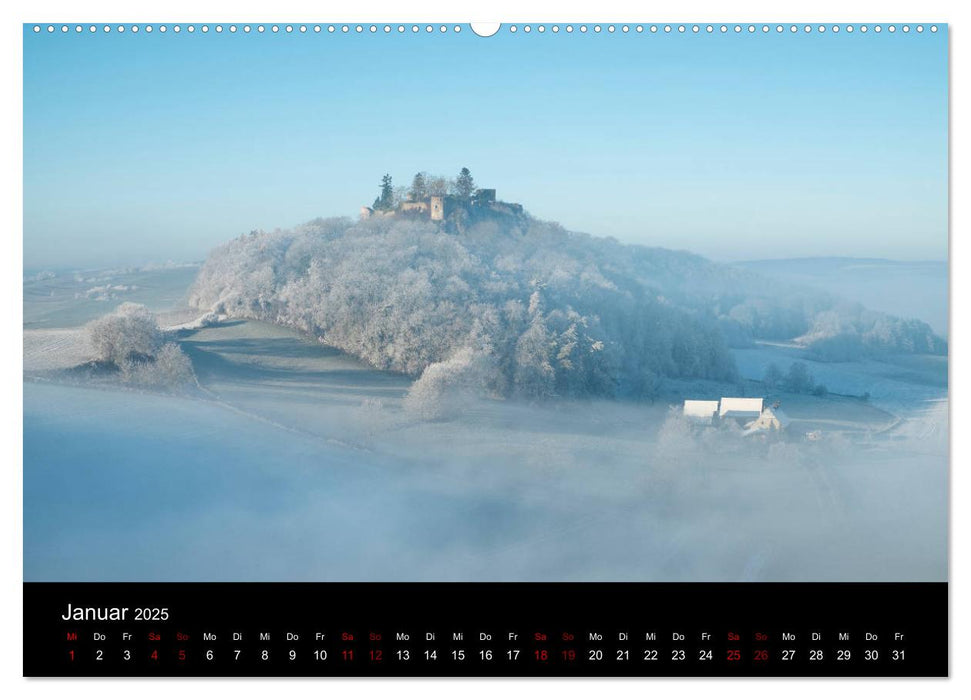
{"x":437,"y":207}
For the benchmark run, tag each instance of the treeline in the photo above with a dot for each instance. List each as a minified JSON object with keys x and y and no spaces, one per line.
{"x":797,"y":380}
{"x":749,"y":307}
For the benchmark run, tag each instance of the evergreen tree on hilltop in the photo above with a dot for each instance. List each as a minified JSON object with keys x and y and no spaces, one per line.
{"x":464,"y":184}
{"x":386,"y":199}
{"x":418,"y":189}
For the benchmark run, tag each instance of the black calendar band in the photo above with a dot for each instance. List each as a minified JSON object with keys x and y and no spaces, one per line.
{"x":485,"y":629}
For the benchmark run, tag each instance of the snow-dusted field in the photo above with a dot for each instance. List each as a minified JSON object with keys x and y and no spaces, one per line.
{"x":296,"y":462}
{"x":69,"y":299}
{"x":54,"y":348}
{"x":899,"y":383}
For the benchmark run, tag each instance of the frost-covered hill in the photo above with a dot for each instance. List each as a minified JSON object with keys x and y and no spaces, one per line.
{"x":527,"y":309}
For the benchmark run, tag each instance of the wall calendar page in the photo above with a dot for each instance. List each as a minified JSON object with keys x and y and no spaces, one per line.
{"x":521,"y":349}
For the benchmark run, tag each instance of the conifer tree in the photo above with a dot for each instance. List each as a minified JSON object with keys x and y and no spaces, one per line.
{"x":464,"y":185}
{"x":386,"y":200}
{"x":418,"y":189}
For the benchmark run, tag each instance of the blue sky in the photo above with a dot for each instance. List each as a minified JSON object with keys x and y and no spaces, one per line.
{"x":152,"y":147}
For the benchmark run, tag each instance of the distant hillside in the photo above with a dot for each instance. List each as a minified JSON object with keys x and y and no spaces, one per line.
{"x":909,"y":289}
{"x":537,"y":310}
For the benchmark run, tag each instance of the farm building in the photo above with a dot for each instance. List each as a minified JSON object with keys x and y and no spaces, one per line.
{"x":740,"y":409}
{"x":771,"y":419}
{"x":750,"y":413}
{"x":700,"y":411}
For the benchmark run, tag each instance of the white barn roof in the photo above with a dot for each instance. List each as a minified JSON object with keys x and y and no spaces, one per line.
{"x":740,"y":408}
{"x":701,"y":410}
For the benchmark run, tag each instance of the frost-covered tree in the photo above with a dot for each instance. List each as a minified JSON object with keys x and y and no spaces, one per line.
{"x":445,"y":388}
{"x":534,"y":373}
{"x":130,"y":340}
{"x":172,"y":367}
{"x":128,"y":333}
{"x":169,"y":369}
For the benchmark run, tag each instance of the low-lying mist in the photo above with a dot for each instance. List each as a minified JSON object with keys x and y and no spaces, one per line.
{"x":504,"y":491}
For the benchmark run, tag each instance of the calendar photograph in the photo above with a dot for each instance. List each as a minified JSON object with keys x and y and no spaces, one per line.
{"x":563,"y":303}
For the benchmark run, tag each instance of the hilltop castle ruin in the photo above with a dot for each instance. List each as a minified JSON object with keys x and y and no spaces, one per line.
{"x":439,"y":207}
{"x":451,"y":209}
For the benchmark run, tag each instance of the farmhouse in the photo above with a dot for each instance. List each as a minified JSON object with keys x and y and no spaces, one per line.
{"x":747,"y":412}
{"x":740,"y":409}
{"x":702,"y":412}
{"x":771,"y":419}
